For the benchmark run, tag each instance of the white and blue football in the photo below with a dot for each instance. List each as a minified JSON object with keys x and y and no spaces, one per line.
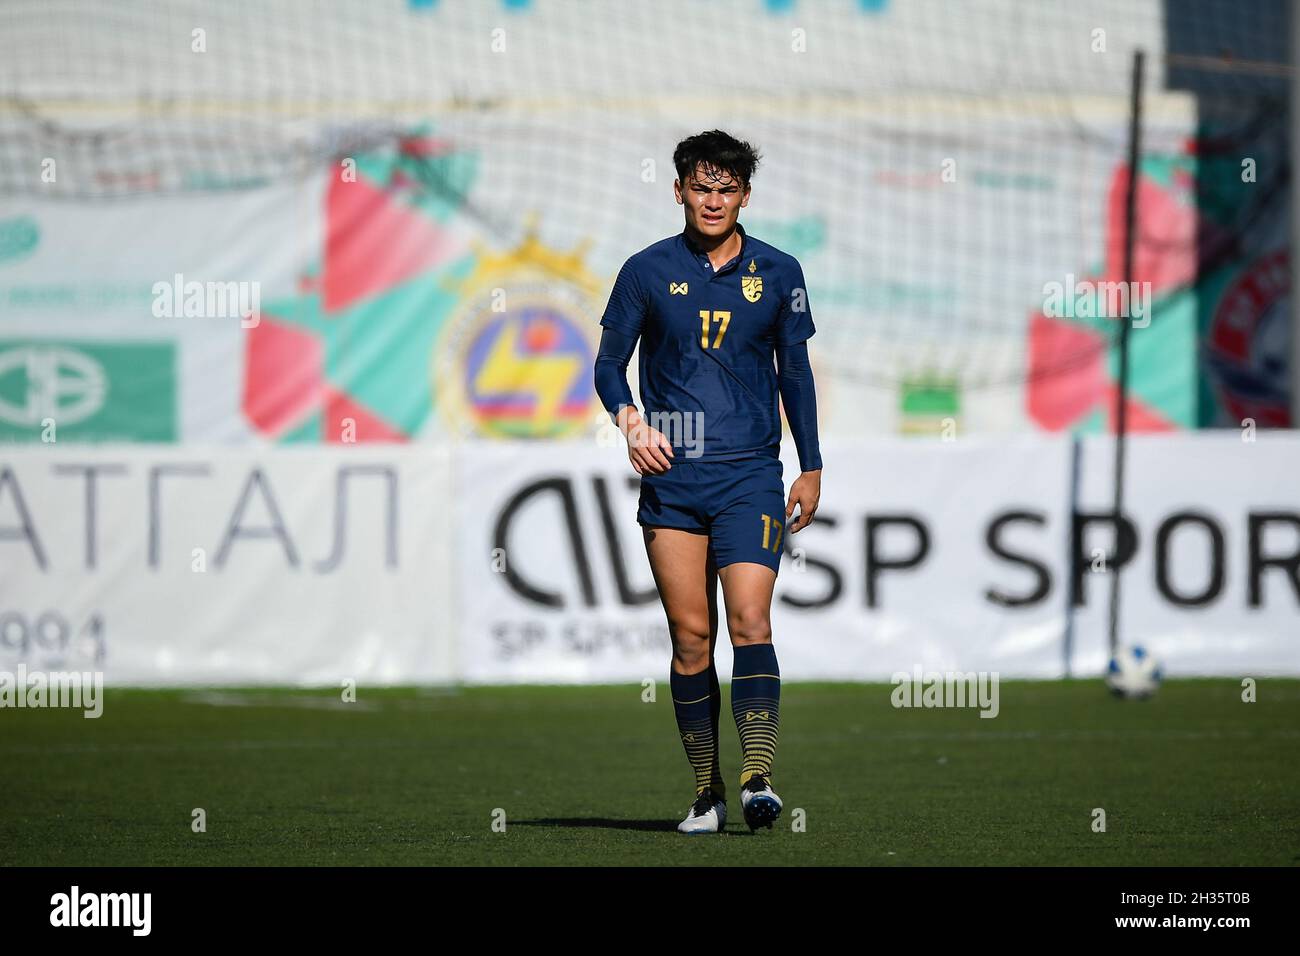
{"x":1133,"y":673}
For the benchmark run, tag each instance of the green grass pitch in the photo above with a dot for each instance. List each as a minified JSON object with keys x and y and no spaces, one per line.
{"x":594,"y":776}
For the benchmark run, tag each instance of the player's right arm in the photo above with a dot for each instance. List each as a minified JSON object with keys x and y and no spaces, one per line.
{"x":647,"y":449}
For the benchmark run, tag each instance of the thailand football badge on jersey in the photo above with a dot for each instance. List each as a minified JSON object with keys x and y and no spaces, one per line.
{"x":751,"y":284}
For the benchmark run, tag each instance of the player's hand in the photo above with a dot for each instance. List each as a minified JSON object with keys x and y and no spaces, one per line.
{"x":648,"y":449}
{"x":805,"y":492}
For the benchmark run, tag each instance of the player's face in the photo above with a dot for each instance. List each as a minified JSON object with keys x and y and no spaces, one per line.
{"x":713,"y":200}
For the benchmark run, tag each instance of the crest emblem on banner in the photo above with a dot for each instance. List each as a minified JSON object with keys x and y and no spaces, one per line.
{"x":520,"y":368}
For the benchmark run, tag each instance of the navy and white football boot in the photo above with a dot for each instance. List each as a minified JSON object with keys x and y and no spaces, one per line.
{"x":707,"y":815}
{"x":759,"y":802}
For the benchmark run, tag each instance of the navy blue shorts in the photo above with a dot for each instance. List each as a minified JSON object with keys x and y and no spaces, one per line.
{"x":739,"y":504}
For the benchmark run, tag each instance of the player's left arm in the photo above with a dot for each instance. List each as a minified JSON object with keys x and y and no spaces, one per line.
{"x":799,"y":397}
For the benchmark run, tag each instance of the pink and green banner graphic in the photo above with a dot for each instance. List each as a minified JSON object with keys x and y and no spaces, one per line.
{"x":1073,"y":359}
{"x":407,"y":327}
{"x":346,"y":359}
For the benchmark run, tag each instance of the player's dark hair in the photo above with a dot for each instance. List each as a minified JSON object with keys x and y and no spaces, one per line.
{"x":716,"y":150}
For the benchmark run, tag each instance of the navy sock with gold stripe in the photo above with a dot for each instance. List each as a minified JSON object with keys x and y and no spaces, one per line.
{"x":697,"y":722}
{"x":755,"y":703}
{"x":715,"y":710}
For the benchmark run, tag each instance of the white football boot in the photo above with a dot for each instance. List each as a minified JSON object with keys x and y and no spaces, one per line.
{"x":707,"y":815}
{"x":759,"y":802}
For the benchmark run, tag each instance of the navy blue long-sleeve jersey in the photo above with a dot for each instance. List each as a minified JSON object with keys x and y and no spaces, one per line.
{"x":708,"y":339}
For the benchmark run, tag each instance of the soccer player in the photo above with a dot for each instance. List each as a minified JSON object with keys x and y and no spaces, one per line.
{"x":712,"y":306}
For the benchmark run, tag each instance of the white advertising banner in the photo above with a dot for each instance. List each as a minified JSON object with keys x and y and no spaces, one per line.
{"x":215,"y":566}
{"x":915,"y":282}
{"x":1213,"y":584}
{"x":493,"y":562}
{"x":924,"y":554}
{"x":187,"y":277}
{"x":896,"y":571}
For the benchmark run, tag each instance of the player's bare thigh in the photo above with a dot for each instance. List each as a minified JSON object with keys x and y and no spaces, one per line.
{"x":747,"y":592}
{"x":688,"y":588}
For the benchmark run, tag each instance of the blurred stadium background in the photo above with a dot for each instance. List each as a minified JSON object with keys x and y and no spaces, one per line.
{"x":369,"y":449}
{"x":427,"y":203}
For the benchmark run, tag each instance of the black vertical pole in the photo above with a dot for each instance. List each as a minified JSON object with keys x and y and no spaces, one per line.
{"x":1293,"y":104}
{"x":1072,"y":556}
{"x":1121,"y":412}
